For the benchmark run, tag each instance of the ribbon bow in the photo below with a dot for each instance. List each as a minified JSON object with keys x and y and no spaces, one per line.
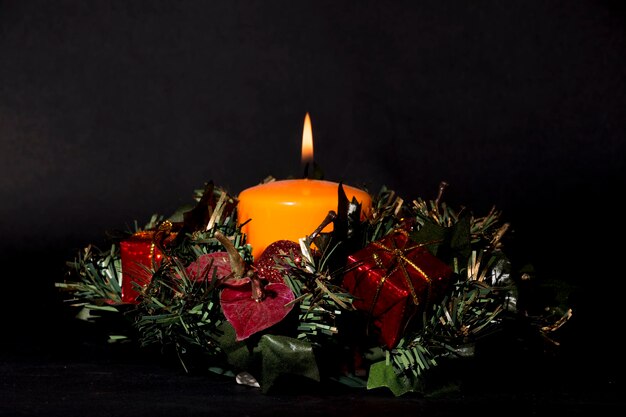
{"x":400,"y":261}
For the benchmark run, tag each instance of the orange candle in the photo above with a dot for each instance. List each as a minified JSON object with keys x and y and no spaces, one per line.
{"x":291,"y":209}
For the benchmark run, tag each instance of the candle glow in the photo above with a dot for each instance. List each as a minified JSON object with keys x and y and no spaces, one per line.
{"x":307,"y":141}
{"x":291,"y":209}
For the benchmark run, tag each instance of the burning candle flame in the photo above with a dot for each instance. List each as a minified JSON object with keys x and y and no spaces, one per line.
{"x":307,"y":142}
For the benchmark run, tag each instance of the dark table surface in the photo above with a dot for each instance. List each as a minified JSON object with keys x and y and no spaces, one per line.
{"x":65,"y":371}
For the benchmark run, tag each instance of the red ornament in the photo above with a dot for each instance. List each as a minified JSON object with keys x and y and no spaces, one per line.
{"x":394,"y":280}
{"x":266,"y":263}
{"x":139,"y":255}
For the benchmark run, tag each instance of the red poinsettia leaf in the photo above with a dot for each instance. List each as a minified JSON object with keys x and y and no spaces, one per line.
{"x":203,"y":267}
{"x":248,"y":316}
{"x":239,"y":284}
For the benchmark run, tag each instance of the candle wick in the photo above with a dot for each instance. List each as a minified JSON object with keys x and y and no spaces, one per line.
{"x":307,"y":168}
{"x":312,"y":171}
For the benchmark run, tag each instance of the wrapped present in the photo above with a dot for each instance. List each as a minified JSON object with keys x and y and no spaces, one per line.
{"x":393,"y":280}
{"x":139,"y":255}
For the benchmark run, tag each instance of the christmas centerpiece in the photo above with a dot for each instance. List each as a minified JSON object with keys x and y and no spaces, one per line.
{"x":337,"y":286}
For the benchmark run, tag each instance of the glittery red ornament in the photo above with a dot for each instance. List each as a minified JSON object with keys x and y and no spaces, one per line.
{"x":394,"y":280}
{"x":139,"y":255}
{"x":266,"y":263}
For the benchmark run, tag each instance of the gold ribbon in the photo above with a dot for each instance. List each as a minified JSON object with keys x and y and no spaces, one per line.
{"x":157,"y":238}
{"x":399,"y":256}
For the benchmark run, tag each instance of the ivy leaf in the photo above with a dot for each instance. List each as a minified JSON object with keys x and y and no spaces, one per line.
{"x":237,"y":353}
{"x":460,"y":238}
{"x":383,"y":375}
{"x":432,"y":235}
{"x":282,"y":355}
{"x":446,"y":243}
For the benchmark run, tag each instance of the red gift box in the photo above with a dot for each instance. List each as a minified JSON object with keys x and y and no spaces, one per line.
{"x":393,"y":280}
{"x":137,"y":253}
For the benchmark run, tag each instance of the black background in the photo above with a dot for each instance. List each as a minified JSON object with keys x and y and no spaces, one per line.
{"x":111,"y":111}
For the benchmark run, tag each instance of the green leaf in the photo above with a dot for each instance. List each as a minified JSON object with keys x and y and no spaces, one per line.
{"x":383,"y":375}
{"x":446,"y":242}
{"x":460,"y":237}
{"x":237,"y":353}
{"x":282,"y":355}
{"x":431,"y":232}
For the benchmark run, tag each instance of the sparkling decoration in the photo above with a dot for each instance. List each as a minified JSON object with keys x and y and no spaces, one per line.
{"x":393,"y":281}
{"x":140,"y":257}
{"x":379,"y":301}
{"x":266,"y":264}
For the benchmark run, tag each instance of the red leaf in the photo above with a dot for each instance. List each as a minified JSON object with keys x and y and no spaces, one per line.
{"x":203,"y":267}
{"x":248,"y":316}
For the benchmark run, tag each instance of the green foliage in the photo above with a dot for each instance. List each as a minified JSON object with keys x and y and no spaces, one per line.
{"x":180,"y":314}
{"x":382,"y":374}
{"x":93,"y":283}
{"x":95,"y":276}
{"x":471,"y":247}
{"x":282,"y":355}
{"x":387,"y":214}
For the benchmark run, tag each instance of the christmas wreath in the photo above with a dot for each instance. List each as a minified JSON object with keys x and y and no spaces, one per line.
{"x":380,"y":301}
